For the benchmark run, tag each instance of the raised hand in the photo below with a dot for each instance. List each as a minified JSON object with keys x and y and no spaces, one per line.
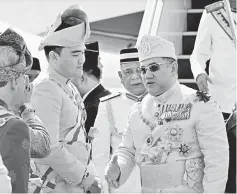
{"x":202,"y":80}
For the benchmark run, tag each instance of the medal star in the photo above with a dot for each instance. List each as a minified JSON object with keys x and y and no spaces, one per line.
{"x":184,"y":149}
{"x":160,"y":122}
{"x":168,"y":120}
{"x":203,"y":96}
{"x":149,"y":140}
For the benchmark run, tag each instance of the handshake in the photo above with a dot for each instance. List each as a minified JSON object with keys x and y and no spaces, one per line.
{"x":96,"y":187}
{"x":112,"y":173}
{"x":92,"y":184}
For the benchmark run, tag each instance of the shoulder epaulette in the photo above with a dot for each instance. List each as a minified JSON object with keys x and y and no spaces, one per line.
{"x":214,"y":6}
{"x":110,"y":96}
{"x":142,"y":96}
{"x":131,"y":96}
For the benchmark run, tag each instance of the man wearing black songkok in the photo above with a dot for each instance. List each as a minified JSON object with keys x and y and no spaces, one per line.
{"x":89,"y":84}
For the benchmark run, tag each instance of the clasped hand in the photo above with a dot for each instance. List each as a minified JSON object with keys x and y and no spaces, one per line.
{"x":112,"y":173}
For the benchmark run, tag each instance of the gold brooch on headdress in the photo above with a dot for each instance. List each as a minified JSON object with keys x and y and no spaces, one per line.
{"x":144,"y":47}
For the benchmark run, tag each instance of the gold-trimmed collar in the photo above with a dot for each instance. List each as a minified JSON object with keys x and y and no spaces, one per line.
{"x":131,"y":96}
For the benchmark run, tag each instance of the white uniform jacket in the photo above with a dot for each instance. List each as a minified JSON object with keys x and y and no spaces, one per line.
{"x":59,"y":106}
{"x":5,"y":181}
{"x":213,"y":43}
{"x":179,"y":142}
{"x":111,"y":122}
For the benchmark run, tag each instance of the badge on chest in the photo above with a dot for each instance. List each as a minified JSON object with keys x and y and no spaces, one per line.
{"x":165,"y":113}
{"x":173,"y":112}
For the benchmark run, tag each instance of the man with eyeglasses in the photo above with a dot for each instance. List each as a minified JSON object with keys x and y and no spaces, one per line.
{"x":59,"y":105}
{"x":176,"y":134}
{"x":112,"y":117}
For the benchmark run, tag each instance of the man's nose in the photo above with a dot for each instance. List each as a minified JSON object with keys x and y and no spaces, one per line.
{"x":135,"y":76}
{"x":148,"y":74}
{"x":81,"y":60}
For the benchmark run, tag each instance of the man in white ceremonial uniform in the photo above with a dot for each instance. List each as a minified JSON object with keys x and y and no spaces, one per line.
{"x":215,"y":41}
{"x":112,"y":118}
{"x":176,"y":134}
{"x":58,"y":104}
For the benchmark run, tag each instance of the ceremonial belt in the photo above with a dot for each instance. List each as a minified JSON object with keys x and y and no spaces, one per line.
{"x":155,"y":177}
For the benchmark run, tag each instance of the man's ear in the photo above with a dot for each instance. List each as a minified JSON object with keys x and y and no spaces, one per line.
{"x":53,"y":56}
{"x":174,"y":68}
{"x":84,"y":78}
{"x":120,"y":74}
{"x":121,"y":77}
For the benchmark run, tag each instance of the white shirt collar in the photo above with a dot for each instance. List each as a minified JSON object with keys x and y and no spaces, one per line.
{"x":84,"y":97}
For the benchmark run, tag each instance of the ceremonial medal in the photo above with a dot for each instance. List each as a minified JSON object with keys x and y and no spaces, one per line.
{"x":184,"y":149}
{"x":174,"y":133}
{"x":160,"y":122}
{"x":158,"y":112}
{"x":149,"y":140}
{"x":150,"y":124}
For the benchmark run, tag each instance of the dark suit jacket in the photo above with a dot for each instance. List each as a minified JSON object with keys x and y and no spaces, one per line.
{"x":92,"y":102}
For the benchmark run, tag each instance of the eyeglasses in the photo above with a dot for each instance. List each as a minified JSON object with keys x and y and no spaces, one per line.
{"x":152,"y":68}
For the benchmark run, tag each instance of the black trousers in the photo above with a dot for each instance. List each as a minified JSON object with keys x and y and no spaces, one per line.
{"x":231,"y":182}
{"x":231,"y":135}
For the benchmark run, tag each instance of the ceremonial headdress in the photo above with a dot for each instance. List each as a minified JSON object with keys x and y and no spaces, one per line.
{"x":70,"y":29}
{"x":155,"y":46}
{"x":93,"y":46}
{"x":91,"y":55}
{"x":129,"y":55}
{"x":91,"y":59}
{"x":10,"y":71}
